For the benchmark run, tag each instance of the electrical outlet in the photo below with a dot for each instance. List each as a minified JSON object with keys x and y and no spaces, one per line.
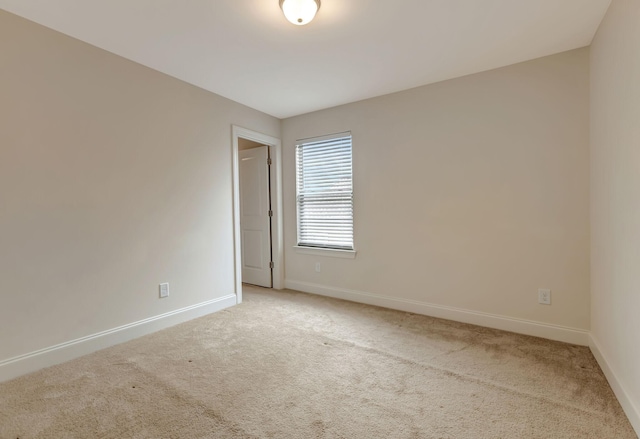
{"x":544,"y":296}
{"x":164,"y":290}
{"x":317,"y":267}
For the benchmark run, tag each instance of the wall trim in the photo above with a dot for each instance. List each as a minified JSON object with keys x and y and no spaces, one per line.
{"x":60,"y":353}
{"x":520,"y":326}
{"x":630,"y":409}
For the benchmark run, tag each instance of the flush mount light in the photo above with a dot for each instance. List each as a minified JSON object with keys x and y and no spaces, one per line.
{"x":300,"y":12}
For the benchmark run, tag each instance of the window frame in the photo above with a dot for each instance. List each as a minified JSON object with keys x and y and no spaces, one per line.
{"x":323,"y":250}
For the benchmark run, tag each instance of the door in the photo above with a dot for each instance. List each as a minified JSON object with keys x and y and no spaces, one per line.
{"x":255,"y":219}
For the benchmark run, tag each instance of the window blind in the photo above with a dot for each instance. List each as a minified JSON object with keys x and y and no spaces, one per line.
{"x":325,"y":192}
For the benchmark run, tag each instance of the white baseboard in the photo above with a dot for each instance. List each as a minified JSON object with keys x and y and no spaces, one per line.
{"x":520,"y":326}
{"x":23,"y":364}
{"x":630,"y":408}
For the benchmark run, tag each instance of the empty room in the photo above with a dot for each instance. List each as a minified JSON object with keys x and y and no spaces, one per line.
{"x":319,"y":219}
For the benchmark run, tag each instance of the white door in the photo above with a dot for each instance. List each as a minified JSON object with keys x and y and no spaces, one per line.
{"x":255,"y":222}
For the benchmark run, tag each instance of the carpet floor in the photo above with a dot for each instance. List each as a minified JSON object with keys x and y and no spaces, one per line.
{"x":290,"y":365}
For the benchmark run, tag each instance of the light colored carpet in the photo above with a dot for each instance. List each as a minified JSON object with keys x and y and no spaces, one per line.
{"x":291,"y":365}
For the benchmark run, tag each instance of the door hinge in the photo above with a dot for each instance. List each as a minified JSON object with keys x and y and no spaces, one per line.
{"x":271,"y":213}
{"x":269,"y":161}
{"x":271,"y":264}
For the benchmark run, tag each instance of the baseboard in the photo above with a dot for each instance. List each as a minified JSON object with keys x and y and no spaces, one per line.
{"x":520,"y":326}
{"x":27,"y":363}
{"x":631,"y":410}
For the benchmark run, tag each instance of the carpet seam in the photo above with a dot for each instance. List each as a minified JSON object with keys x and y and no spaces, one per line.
{"x":459,"y":375}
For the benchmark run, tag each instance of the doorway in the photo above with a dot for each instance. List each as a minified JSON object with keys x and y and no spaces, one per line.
{"x":257,"y":211}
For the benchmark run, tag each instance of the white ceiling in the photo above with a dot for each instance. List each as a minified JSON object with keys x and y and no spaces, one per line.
{"x":245,"y":50}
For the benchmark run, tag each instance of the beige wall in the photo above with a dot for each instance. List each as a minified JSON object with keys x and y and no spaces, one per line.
{"x":615,"y":199}
{"x":247,"y":144}
{"x":113,"y":178}
{"x":470,"y":193}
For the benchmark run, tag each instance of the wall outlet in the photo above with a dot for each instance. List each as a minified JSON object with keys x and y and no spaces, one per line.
{"x":164,"y":290}
{"x":544,"y":296}
{"x":317,"y":267}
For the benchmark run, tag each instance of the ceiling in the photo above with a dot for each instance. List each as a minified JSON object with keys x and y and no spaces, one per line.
{"x":245,"y":50}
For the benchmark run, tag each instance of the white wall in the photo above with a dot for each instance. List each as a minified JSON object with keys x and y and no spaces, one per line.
{"x":615,"y":201}
{"x":113,"y":178}
{"x":469,"y":194}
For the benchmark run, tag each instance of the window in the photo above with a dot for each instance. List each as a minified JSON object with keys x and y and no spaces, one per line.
{"x":325,"y":192}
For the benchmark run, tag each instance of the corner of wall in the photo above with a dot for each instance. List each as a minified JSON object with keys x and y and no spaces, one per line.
{"x":629,"y":407}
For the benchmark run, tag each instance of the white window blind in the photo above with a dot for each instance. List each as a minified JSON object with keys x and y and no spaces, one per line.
{"x":325,"y":192}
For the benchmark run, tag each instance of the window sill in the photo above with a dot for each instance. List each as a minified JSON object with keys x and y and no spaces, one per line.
{"x":330,"y":252}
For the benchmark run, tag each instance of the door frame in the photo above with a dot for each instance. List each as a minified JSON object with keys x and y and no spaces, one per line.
{"x":277,"y":228}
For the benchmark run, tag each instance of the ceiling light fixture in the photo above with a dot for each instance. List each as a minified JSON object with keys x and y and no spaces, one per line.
{"x":300,"y":12}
